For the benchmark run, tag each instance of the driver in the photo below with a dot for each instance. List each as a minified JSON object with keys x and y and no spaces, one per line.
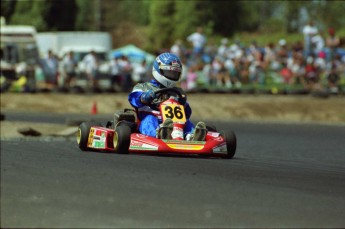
{"x":166,"y":71}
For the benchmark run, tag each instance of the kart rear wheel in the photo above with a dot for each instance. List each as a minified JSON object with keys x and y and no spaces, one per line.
{"x":211,"y":128}
{"x":83,"y":134}
{"x":122,"y":139}
{"x":231,"y":144}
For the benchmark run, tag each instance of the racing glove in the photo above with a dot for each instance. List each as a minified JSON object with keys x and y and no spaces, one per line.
{"x":183,"y":100}
{"x":147,"y":97}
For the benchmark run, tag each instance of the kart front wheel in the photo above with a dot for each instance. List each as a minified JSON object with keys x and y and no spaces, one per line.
{"x":83,"y":134}
{"x":231,"y":144}
{"x":122,"y":139}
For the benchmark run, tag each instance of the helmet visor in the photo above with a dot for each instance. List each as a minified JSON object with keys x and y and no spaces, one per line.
{"x":172,"y":73}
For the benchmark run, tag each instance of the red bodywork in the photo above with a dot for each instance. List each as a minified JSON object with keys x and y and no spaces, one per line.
{"x":101,"y":138}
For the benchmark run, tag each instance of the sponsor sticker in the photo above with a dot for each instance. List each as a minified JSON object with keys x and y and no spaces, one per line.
{"x":175,"y":64}
{"x":98,"y":144}
{"x":136,"y":145}
{"x":220,"y":149}
{"x":141,"y":136}
{"x":213,"y":134}
{"x":96,"y":137}
{"x":186,"y":146}
{"x":90,"y":139}
{"x":219,"y":139}
{"x":184,"y":142}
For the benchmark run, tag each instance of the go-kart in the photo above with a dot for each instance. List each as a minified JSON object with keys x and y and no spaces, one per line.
{"x":122,"y":136}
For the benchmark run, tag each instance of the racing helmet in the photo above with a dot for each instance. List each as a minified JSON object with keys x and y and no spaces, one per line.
{"x":167,"y":69}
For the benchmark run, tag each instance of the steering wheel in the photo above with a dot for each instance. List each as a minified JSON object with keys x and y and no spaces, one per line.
{"x":165,"y":93}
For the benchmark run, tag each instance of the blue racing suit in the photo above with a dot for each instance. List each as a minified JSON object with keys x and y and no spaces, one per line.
{"x":149,"y":114}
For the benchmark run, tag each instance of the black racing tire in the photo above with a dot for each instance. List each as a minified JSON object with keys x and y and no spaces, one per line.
{"x":231,"y":144}
{"x":122,"y":139}
{"x":2,"y":117}
{"x":83,"y":134}
{"x":211,"y":128}
{"x":73,"y":122}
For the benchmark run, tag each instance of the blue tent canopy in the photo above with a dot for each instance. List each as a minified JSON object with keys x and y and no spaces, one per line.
{"x":133,"y":53}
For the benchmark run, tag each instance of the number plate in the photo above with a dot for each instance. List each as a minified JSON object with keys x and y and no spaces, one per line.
{"x":173,"y":111}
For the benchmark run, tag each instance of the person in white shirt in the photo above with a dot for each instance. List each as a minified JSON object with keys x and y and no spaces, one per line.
{"x":309,"y":30}
{"x":50,"y":66}
{"x":198,"y":40}
{"x":126,"y":71}
{"x":318,"y":43}
{"x":91,"y":67}
{"x":177,"y":49}
{"x":223,"y":48}
{"x":140,"y":72}
{"x":69,"y":66}
{"x":116,"y":79}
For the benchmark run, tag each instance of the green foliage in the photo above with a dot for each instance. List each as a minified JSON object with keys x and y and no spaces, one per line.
{"x":329,"y":14}
{"x":61,"y":15}
{"x":29,"y":13}
{"x":85,"y":18}
{"x":46,"y":15}
{"x":227,"y":18}
{"x":263,"y":39}
{"x":292,"y":14}
{"x":134,"y":11}
{"x":7,"y":9}
{"x":273,"y":25}
{"x":164,"y":21}
{"x":184,"y":19}
{"x":161,"y":26}
{"x":250,"y":16}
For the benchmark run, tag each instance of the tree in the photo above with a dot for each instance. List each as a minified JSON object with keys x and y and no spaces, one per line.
{"x":30,"y":13}
{"x":184,"y":19}
{"x":85,"y":18}
{"x":293,"y":13}
{"x":162,"y":25}
{"x":164,"y":21}
{"x":61,"y":15}
{"x":227,"y":16}
{"x":7,"y":9}
{"x":46,"y":15}
{"x":328,"y":13}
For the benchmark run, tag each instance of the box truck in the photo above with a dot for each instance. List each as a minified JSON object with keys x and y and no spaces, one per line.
{"x":19,"y":55}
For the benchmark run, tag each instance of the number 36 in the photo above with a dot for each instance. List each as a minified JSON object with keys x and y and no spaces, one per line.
{"x":171,"y":113}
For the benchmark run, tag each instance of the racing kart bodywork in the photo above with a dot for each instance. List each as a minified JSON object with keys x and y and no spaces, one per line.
{"x":122,"y":135}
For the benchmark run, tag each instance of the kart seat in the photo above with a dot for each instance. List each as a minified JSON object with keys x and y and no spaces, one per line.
{"x":125,"y":115}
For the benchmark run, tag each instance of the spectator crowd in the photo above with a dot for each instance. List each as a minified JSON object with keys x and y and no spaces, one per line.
{"x":316,"y":62}
{"x":119,"y":71}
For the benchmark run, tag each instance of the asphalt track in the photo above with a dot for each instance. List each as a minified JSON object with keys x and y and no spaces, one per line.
{"x":282,"y":176}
